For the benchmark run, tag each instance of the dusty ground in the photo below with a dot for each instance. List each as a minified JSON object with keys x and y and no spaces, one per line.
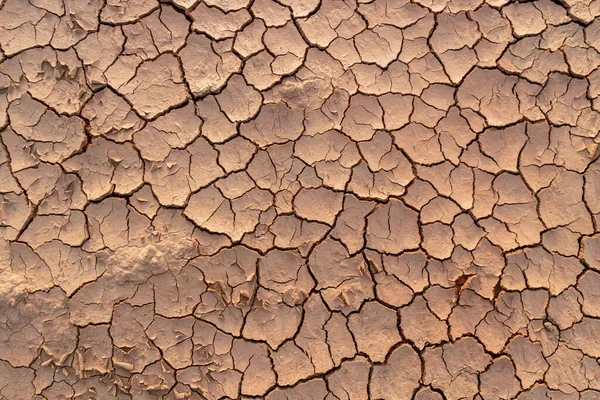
{"x":288,"y":199}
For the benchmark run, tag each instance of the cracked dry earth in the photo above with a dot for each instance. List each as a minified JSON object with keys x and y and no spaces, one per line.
{"x":299,"y":200}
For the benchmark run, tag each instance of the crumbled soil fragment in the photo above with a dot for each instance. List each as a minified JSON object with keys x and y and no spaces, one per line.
{"x":299,"y":199}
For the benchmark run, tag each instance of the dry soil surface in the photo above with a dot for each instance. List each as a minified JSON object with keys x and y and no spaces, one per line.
{"x":299,"y":200}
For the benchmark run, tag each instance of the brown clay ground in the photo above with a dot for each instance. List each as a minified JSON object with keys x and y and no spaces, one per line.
{"x":299,"y":200}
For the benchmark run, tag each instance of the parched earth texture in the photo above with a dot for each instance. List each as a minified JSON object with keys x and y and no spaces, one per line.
{"x":299,"y":199}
